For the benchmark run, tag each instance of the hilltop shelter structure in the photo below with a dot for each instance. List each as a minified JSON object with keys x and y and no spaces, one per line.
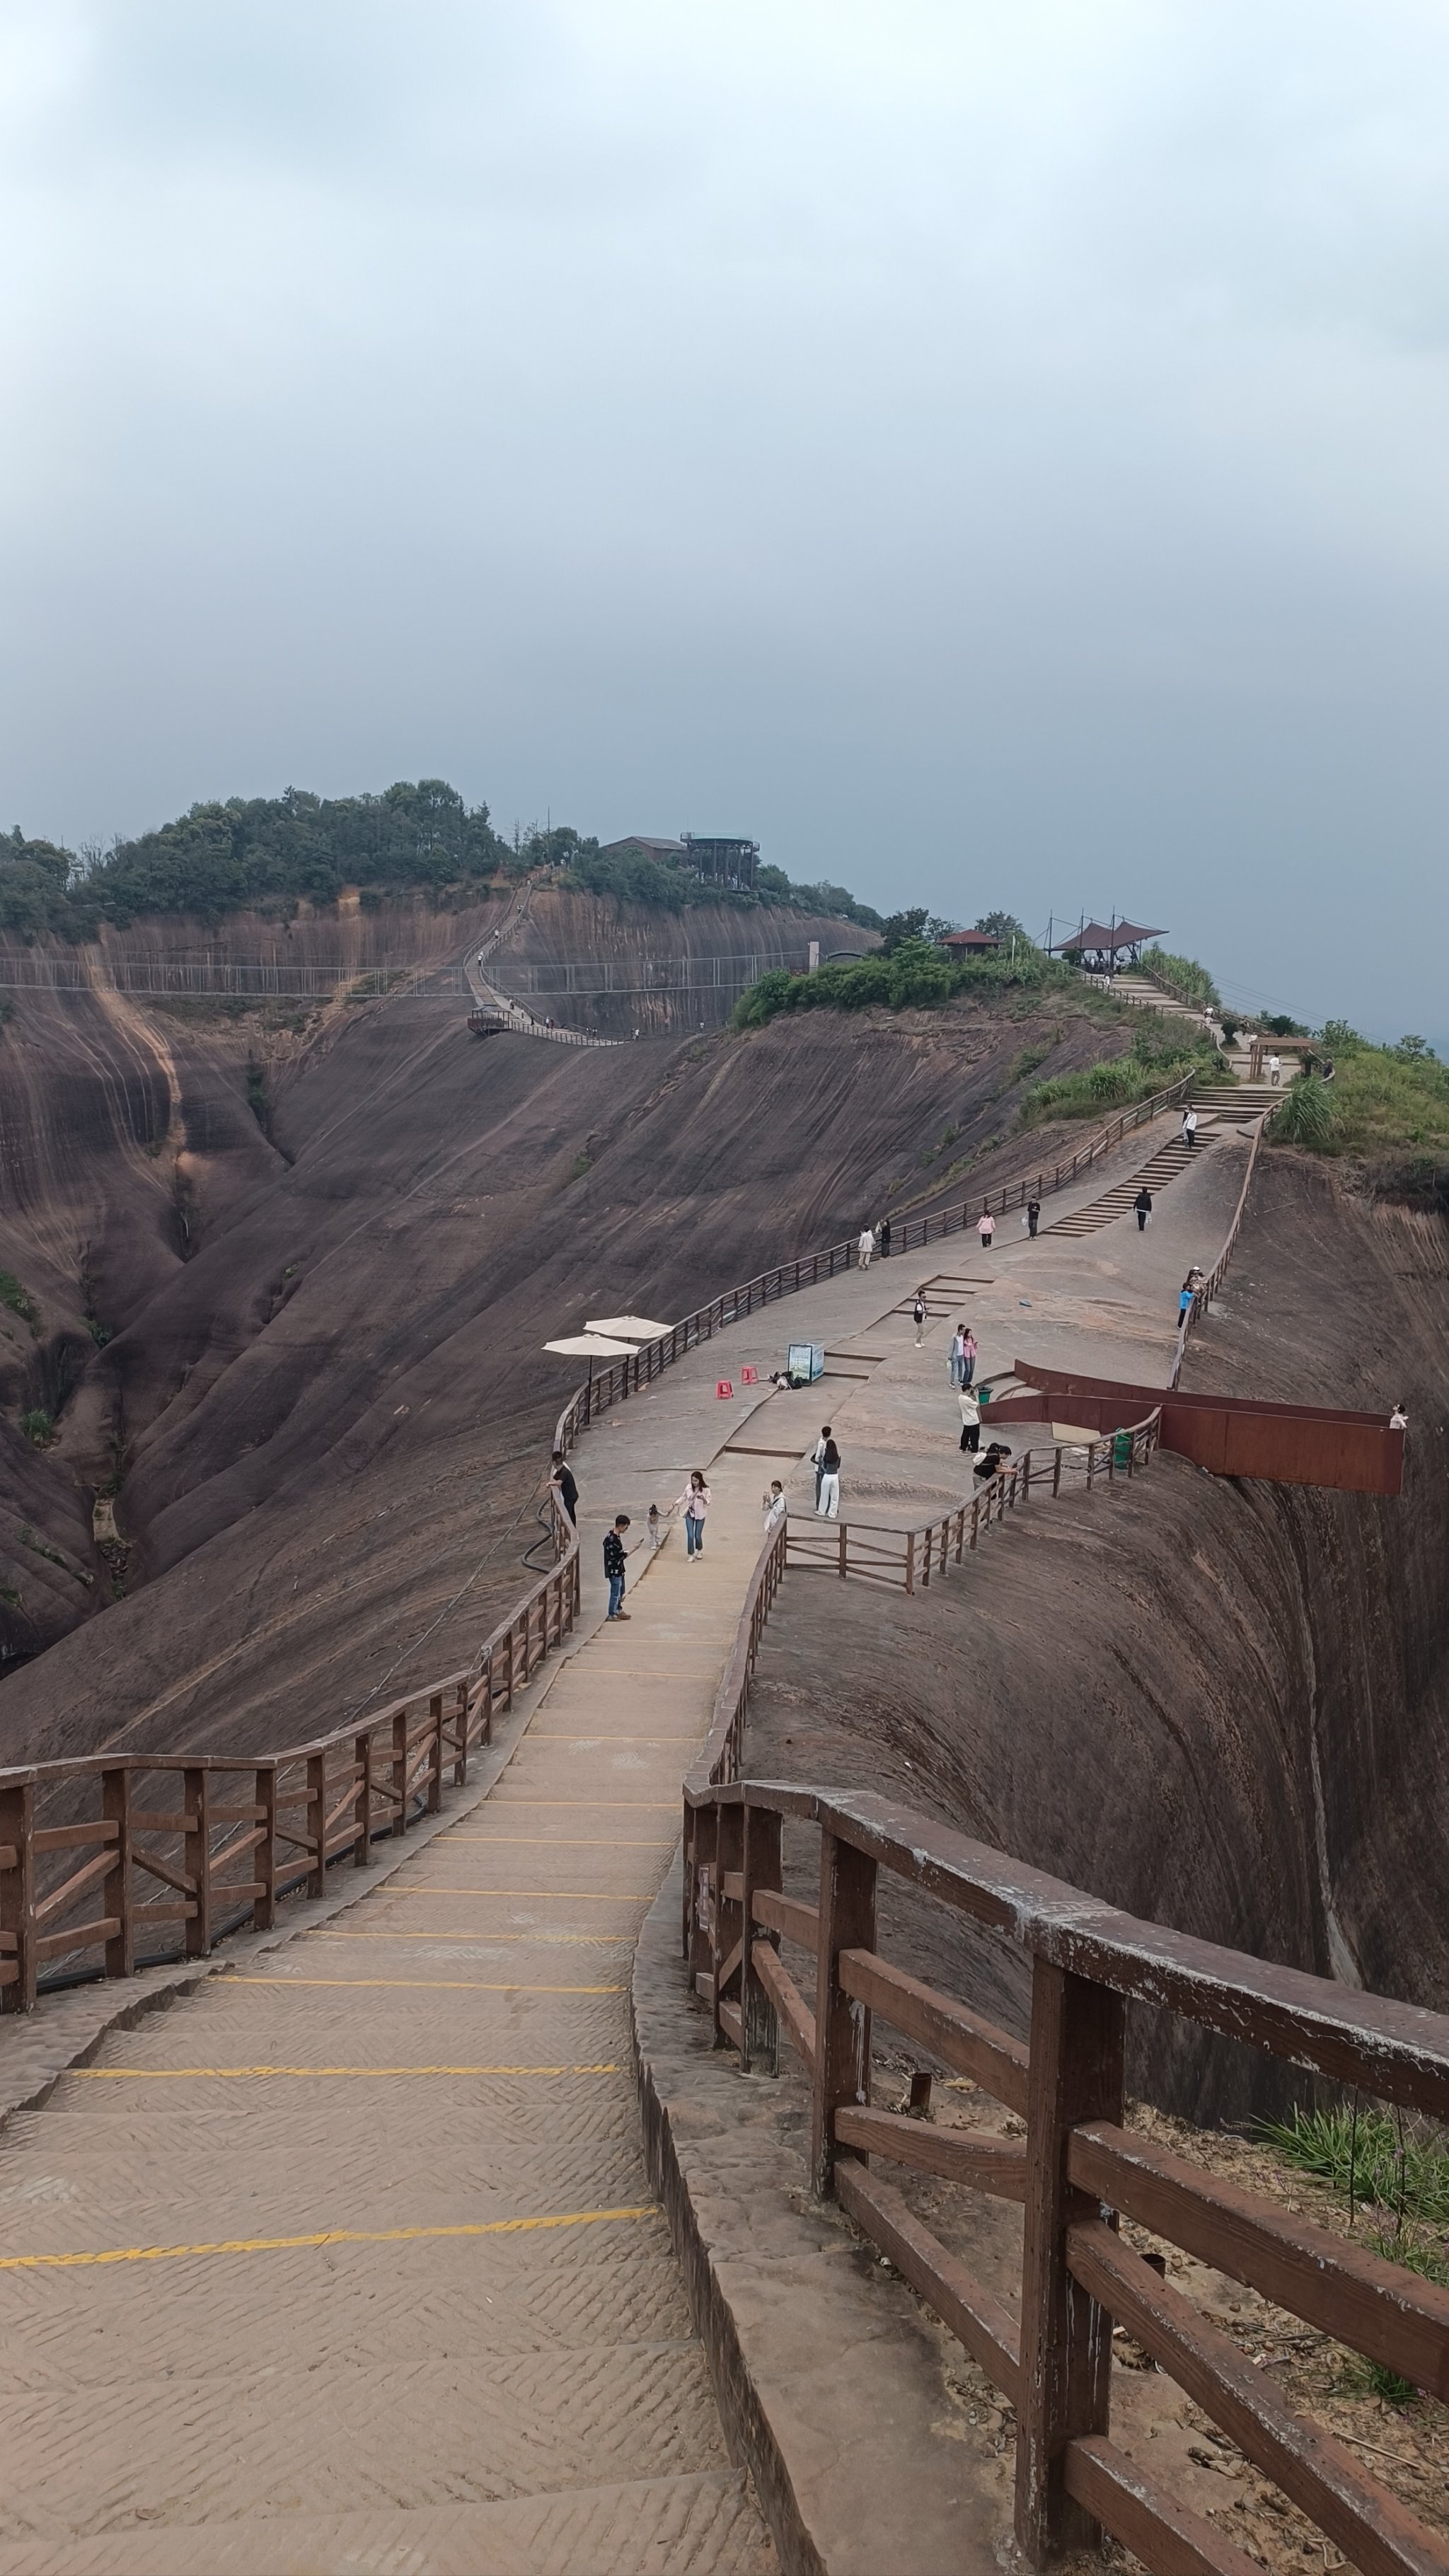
{"x":969,"y":943}
{"x":1098,"y":944}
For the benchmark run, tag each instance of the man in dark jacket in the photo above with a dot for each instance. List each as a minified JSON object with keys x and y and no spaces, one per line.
{"x":565,"y":1487}
{"x":1143,"y":1205}
{"x":1033,"y":1217}
{"x":614,"y":1565}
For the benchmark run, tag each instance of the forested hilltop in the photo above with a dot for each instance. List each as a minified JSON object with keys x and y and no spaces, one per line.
{"x":268,"y":853}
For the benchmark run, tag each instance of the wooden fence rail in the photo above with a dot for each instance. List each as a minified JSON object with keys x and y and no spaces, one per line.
{"x":1078,"y":2169}
{"x":224,"y":1836}
{"x":877,"y":1552}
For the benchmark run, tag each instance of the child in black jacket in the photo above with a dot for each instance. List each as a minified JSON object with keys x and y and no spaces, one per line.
{"x":614,"y":1565}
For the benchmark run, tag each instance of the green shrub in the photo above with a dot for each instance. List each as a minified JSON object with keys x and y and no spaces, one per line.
{"x":38,"y":1427}
{"x":18,"y":1299}
{"x":914,"y":975}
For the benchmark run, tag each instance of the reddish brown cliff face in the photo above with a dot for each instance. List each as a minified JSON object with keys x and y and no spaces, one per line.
{"x":324,"y":1394}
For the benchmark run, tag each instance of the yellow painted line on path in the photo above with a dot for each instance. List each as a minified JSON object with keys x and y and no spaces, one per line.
{"x":556,"y":1895}
{"x":480,"y":1985}
{"x":551,"y":1940}
{"x":326,"y":2236}
{"x":174,"y":2074}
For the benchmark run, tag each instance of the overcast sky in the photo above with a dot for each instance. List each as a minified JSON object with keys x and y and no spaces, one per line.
{"x":995,"y":455}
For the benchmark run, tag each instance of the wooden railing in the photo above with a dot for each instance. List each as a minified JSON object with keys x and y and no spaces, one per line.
{"x":1214,"y":1279}
{"x":1079,"y":2169}
{"x":613,"y":1385}
{"x":98,"y":1855}
{"x":876,"y":1552}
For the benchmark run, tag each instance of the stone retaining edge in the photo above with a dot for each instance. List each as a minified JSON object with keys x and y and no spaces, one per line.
{"x":655,"y":1997}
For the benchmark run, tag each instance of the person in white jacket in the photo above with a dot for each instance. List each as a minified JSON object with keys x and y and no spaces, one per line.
{"x":865,"y":1246}
{"x":828,"y":1506}
{"x":695,"y":1503}
{"x":970,"y":1411}
{"x":774,"y":1507}
{"x":818,"y":1459}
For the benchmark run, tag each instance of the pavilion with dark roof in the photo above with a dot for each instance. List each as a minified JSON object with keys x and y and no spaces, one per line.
{"x":1103,"y":942}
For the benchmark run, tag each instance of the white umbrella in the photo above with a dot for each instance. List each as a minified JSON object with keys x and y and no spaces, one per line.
{"x":592,"y":1346}
{"x":637,"y":1327}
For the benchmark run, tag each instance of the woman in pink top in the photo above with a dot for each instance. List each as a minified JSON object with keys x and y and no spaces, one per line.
{"x":695,"y":1499}
{"x":986,"y":1228}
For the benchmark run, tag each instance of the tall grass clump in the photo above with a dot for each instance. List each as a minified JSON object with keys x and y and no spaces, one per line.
{"x":1377,"y":2163}
{"x":1387,"y":1106}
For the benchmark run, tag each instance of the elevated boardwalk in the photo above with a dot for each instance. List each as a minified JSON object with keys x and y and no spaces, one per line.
{"x":348,"y":2260}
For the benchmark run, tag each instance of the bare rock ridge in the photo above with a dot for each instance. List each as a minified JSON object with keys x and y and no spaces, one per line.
{"x":322,"y":1399}
{"x":303,"y":1346}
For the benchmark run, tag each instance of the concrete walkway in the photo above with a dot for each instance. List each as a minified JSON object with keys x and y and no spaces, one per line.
{"x":347,"y":2260}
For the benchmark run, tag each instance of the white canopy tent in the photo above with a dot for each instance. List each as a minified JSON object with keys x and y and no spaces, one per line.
{"x":635,"y":1328}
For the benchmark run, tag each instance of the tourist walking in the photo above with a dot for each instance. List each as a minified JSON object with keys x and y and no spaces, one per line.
{"x":970,"y":1412}
{"x":696,"y":1500}
{"x":986,"y":1228}
{"x":958,"y":1356}
{"x":1275,"y":1069}
{"x":968,"y":1355}
{"x":562,"y":1480}
{"x":918,"y":1315}
{"x":818,"y":1459}
{"x":1188,"y":1136}
{"x":614,"y":1565}
{"x":883,"y":1238}
{"x":1143,"y":1205}
{"x":1033,"y":1217}
{"x":1187,"y":1297}
{"x":773,"y":1505}
{"x":828,"y":1500}
{"x":865,"y":1246}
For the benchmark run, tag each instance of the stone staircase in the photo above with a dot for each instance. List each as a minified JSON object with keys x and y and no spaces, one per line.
{"x":1166,"y":1163}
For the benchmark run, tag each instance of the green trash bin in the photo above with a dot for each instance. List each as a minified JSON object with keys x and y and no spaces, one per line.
{"x":1122,"y":1449}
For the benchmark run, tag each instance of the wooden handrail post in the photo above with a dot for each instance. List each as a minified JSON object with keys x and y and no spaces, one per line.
{"x":729,"y":1915}
{"x":317,"y":1823}
{"x":400,"y":1771}
{"x":841,"y":1546}
{"x":1066,"y":2339}
{"x":435,"y":1755}
{"x":760,"y":2030}
{"x":460,"y":1760}
{"x":362,"y":1801}
{"x":702,"y":1889}
{"x":1057,"y":1473}
{"x":264,"y":1904}
{"x":116,"y":1885}
{"x":911,"y":1560}
{"x":17,"y":1893}
{"x":842,"y":2027}
{"x":196,"y":1805}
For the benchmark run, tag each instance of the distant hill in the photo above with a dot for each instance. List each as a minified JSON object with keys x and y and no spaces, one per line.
{"x":267,"y":853}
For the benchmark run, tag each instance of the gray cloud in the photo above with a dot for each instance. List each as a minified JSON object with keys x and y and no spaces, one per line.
{"x":993,"y":456}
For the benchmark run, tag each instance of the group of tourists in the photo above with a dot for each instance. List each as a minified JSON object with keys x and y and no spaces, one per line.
{"x":873,"y":1239}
